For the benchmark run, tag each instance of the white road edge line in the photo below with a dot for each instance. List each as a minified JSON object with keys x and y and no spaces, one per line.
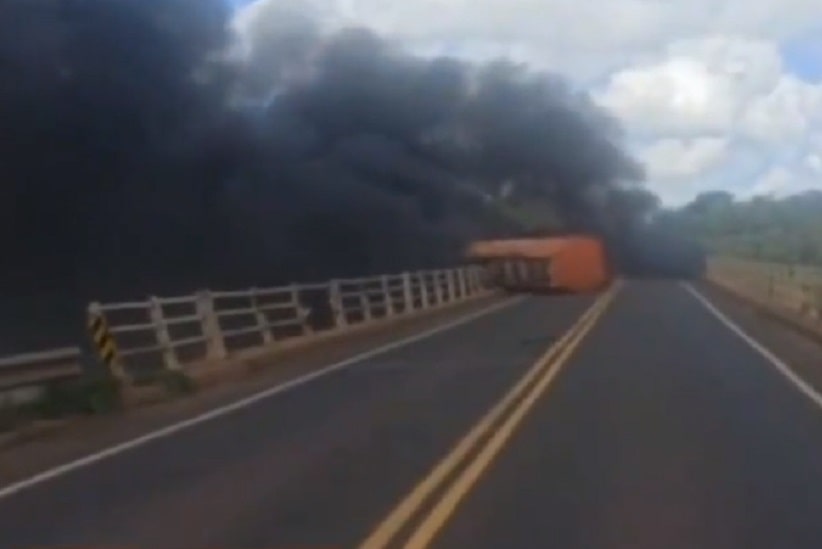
{"x":806,"y":388}
{"x":123,"y":447}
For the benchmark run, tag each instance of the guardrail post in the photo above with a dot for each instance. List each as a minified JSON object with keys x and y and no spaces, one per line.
{"x":215,"y":345}
{"x":305,"y":320}
{"x":365,"y":304}
{"x":104,"y":342}
{"x":407,"y":293}
{"x":424,"y":299}
{"x":303,"y":313}
{"x":336,"y":301}
{"x":452,"y":284}
{"x":386,"y":293}
{"x":261,"y":318}
{"x":462,"y":283}
{"x":163,"y":336}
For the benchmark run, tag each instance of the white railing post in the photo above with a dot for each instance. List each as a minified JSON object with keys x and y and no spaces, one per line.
{"x":365,"y":303}
{"x":475,"y":280}
{"x":466,"y":281}
{"x":260,"y":316}
{"x":407,"y":293}
{"x":463,"y":286}
{"x":305,"y":320}
{"x":386,"y":294}
{"x":304,"y":313}
{"x":163,"y":336}
{"x":452,"y":285}
{"x":438,"y":287}
{"x":424,"y":299}
{"x":215,"y":345}
{"x":336,"y":301}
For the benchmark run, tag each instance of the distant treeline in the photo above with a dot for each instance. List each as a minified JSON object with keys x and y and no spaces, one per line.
{"x":785,"y":230}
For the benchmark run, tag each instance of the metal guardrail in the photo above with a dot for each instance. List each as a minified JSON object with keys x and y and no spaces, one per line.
{"x":24,"y":376}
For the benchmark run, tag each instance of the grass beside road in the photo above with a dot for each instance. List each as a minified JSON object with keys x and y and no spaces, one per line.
{"x":83,"y":397}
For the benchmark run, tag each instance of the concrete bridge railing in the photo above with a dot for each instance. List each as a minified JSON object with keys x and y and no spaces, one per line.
{"x":175,"y":333}
{"x":140,"y":339}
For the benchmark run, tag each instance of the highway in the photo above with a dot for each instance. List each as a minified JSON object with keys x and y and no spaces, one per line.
{"x":634,"y":419}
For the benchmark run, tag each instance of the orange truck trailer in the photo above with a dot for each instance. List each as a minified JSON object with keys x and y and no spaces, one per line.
{"x":576,"y":263}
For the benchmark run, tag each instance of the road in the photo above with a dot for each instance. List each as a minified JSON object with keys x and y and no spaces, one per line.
{"x":635,"y":420}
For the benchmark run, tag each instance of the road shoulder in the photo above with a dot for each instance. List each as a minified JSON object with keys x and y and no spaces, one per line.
{"x":86,"y":436}
{"x":802,"y":353}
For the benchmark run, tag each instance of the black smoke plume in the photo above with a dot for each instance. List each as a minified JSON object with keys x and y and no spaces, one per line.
{"x":147,"y":150}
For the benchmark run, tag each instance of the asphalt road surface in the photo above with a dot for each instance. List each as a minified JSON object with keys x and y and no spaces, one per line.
{"x":648,"y":424}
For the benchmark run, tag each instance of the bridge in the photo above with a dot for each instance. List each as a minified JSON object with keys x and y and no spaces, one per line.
{"x":658,"y":413}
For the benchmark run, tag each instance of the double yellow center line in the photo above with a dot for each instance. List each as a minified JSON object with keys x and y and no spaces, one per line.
{"x":469,"y":458}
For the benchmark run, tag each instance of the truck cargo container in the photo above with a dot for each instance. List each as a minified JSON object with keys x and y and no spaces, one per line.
{"x":576,"y":263}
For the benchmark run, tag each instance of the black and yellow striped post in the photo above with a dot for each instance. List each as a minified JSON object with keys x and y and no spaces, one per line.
{"x":104,"y":342}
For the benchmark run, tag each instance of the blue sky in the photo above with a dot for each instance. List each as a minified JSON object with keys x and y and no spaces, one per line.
{"x":803,"y":55}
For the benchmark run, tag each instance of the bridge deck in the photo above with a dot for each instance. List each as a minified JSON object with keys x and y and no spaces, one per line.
{"x":663,"y":428}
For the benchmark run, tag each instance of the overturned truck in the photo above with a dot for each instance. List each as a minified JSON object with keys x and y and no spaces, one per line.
{"x":575,"y":264}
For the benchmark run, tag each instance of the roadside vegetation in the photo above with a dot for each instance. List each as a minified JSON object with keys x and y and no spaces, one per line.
{"x":86,"y":397}
{"x":784,"y":230}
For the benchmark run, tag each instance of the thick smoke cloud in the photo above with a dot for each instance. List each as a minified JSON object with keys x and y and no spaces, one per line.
{"x":147,"y":150}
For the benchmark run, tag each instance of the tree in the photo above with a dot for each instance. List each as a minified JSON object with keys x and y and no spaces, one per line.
{"x":787,"y":229}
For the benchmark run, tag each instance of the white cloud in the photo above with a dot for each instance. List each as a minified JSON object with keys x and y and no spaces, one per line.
{"x":579,"y":38}
{"x":787,"y":112}
{"x":774,"y":182}
{"x":780,"y":181}
{"x":734,"y":87}
{"x":702,"y":86}
{"x":671,"y":159}
{"x":814,"y":158}
{"x":674,"y":96}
